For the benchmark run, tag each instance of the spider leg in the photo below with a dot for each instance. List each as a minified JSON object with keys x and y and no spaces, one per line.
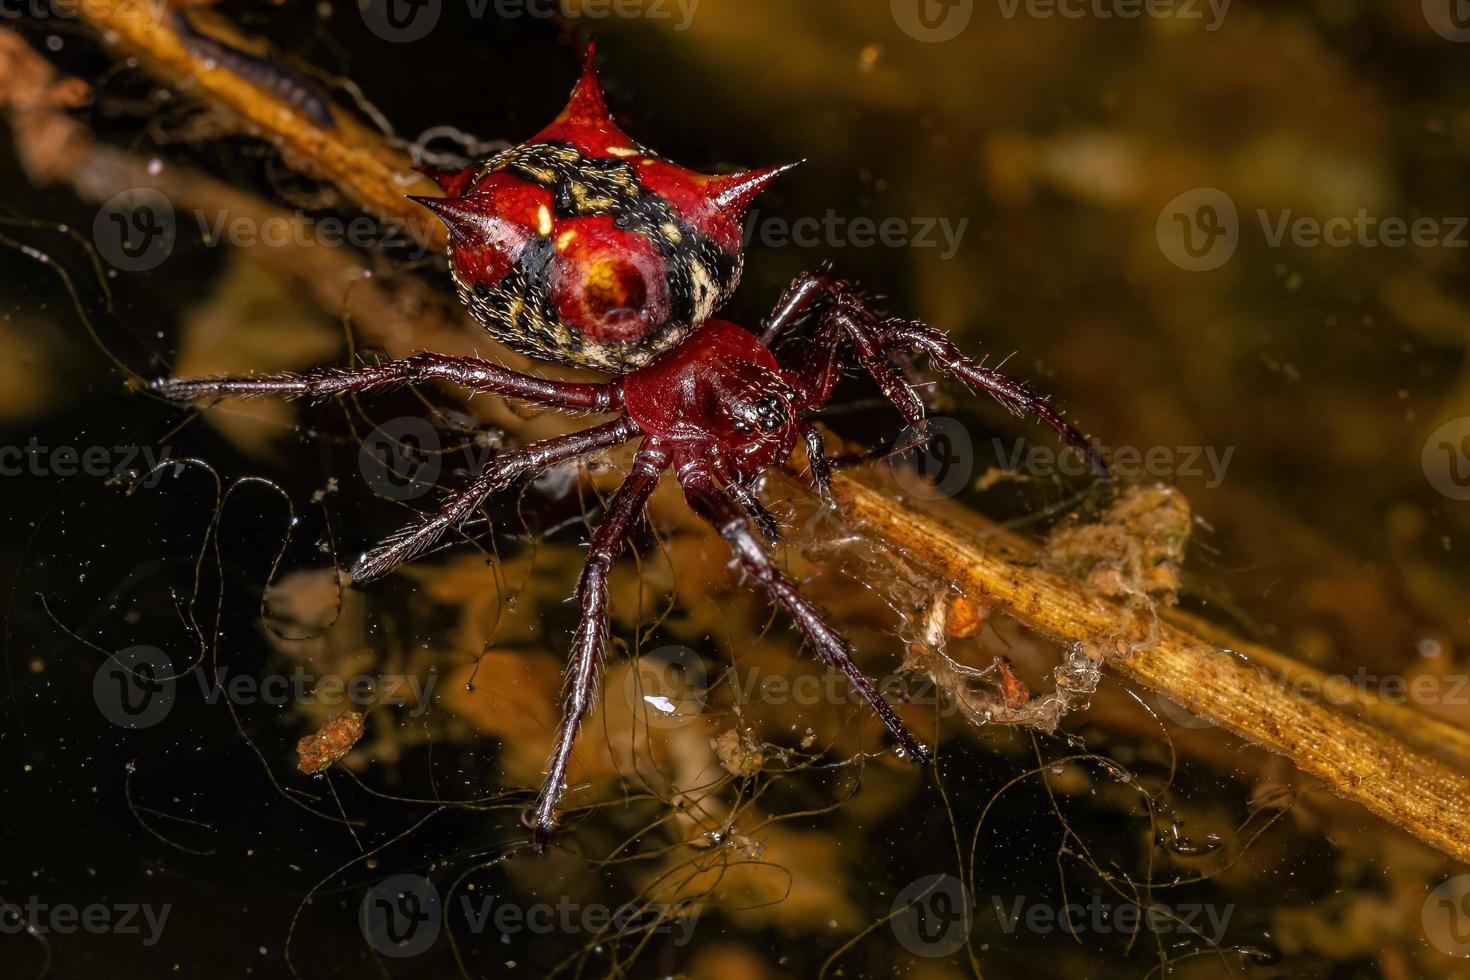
{"x":816,"y":376}
{"x":755,"y":510}
{"x":470,"y":372}
{"x":818,"y":460}
{"x":863,"y":330}
{"x":884,"y":349}
{"x":800,"y":297}
{"x":916,"y":379}
{"x":623,"y":511}
{"x":803,"y":293}
{"x":1014,"y":395}
{"x":457,"y":508}
{"x":716,"y":507}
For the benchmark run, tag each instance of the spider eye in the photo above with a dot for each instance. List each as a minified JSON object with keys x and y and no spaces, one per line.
{"x":770,"y":413}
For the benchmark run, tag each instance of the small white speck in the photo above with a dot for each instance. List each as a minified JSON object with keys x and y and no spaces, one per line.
{"x":661,"y":704}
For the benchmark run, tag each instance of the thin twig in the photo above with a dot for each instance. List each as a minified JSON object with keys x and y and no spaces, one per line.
{"x":1233,"y":684}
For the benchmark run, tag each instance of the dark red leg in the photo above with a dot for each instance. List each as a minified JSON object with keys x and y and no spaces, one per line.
{"x":755,"y":510}
{"x":823,"y":362}
{"x":816,"y":454}
{"x":505,"y":469}
{"x":862,"y":329}
{"x":803,"y":293}
{"x":883,"y":347}
{"x":1012,"y":394}
{"x":715,"y":506}
{"x":623,"y":512}
{"x":471,"y":372}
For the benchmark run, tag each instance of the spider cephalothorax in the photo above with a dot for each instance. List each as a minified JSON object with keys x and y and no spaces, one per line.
{"x":583,"y":248}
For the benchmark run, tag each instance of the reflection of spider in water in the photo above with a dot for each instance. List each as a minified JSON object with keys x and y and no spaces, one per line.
{"x":582,"y":247}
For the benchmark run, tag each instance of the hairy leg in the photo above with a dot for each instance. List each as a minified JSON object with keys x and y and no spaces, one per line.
{"x":716,"y":507}
{"x":821,"y":465}
{"x":884,"y":347}
{"x":823,"y":360}
{"x":470,"y":372}
{"x":623,"y":512}
{"x":804,"y":293}
{"x":763,"y":519}
{"x":862,"y":330}
{"x":419,"y":537}
{"x":848,"y":319}
{"x":1014,"y":395}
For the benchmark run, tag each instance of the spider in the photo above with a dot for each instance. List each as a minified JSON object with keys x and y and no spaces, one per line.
{"x":582,"y":247}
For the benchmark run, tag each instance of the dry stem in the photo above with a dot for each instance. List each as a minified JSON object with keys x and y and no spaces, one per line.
{"x":1360,"y":761}
{"x":1208,"y":676}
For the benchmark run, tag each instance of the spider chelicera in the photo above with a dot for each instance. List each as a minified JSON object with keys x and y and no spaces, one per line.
{"x":582,"y":247}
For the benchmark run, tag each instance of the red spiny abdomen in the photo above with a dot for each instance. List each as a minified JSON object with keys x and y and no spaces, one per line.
{"x":583,"y":247}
